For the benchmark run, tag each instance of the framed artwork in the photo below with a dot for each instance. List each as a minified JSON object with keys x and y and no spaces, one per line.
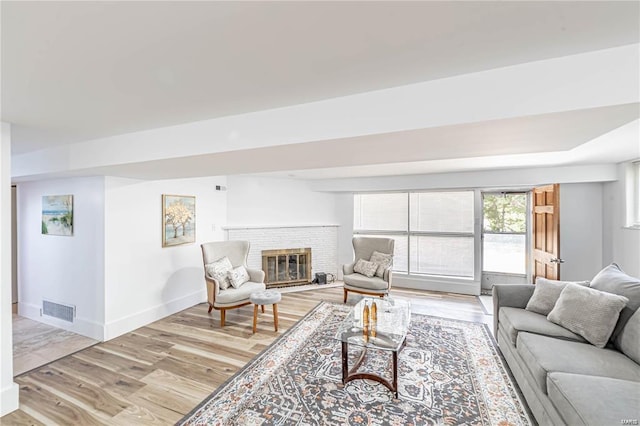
{"x":57,"y":215}
{"x":178,"y":220}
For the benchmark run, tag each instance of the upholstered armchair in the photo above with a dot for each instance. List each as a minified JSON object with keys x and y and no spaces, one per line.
{"x":376,"y":285}
{"x":219,"y":297}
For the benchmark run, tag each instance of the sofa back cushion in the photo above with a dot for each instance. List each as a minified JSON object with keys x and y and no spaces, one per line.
{"x":630,"y":337}
{"x":546,"y":294}
{"x":613,"y":280}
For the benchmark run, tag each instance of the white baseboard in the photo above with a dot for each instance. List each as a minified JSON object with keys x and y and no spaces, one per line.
{"x":435,"y":284}
{"x":131,"y":322}
{"x":79,"y":325}
{"x":9,"y":399}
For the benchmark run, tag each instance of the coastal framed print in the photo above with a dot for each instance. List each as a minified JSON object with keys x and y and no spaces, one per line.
{"x":57,"y":215}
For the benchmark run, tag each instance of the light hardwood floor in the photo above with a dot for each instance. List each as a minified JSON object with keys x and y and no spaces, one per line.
{"x":36,"y":344}
{"x":158,"y":373}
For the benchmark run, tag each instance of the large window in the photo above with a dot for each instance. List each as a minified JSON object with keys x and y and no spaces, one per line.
{"x":433,"y":231}
{"x":504,"y":232}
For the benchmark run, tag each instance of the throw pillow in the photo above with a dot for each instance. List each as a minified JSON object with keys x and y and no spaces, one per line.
{"x":218,"y":270}
{"x":365,"y":268}
{"x":590,"y":313}
{"x":383,"y":260}
{"x":613,"y":280}
{"x":238,"y":276}
{"x":546,"y":294}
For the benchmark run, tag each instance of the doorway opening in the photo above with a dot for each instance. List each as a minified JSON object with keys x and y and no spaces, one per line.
{"x":505,"y":237}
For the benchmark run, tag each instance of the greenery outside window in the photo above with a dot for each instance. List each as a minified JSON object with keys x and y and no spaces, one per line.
{"x":504,"y":233}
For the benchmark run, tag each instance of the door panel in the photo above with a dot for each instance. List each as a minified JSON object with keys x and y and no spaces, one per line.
{"x":546,"y":232}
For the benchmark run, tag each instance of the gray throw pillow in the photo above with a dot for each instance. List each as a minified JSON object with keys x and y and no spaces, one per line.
{"x":613,"y":280}
{"x":546,"y":294}
{"x":219,"y":270}
{"x":590,"y":313}
{"x":365,"y":267}
{"x":238,"y":276}
{"x":383,"y":260}
{"x":630,"y":338}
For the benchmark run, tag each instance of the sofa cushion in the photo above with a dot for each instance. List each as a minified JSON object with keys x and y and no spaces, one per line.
{"x":613,"y":280}
{"x":546,"y":294}
{"x":591,"y":313}
{"x":543,"y":355}
{"x":515,"y":320}
{"x":365,"y":283}
{"x":630,"y":338}
{"x":590,"y":400}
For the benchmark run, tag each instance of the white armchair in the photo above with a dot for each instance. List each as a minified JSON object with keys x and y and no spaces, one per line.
{"x":230,"y":298}
{"x":363,"y":248}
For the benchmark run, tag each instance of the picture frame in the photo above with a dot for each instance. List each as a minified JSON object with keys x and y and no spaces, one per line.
{"x":178,"y":220}
{"x":57,"y":215}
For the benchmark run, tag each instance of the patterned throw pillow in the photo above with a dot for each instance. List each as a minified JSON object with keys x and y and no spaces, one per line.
{"x":383,"y":260}
{"x":591,"y":313}
{"x":546,"y":294}
{"x":218,"y":270}
{"x":365,"y":268}
{"x":238,"y":276}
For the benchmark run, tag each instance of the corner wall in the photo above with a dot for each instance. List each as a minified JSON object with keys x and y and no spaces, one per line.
{"x":144,"y":281}
{"x":63,"y":269}
{"x":621,"y":244}
{"x":581,"y":225}
{"x":8,"y":388}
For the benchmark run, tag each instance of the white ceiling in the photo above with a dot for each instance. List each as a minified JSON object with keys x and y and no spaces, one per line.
{"x":75,"y":71}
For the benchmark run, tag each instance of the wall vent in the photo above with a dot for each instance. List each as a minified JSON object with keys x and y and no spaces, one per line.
{"x":58,"y":310}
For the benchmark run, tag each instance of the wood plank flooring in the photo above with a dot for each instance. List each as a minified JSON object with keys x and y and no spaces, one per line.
{"x":158,"y":373}
{"x":36,"y":344}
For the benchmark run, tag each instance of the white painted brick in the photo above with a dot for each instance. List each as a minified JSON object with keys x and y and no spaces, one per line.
{"x":323,"y":241}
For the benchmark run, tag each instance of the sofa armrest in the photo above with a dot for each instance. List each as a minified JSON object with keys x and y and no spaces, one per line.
{"x":511,"y":295}
{"x":256,"y":275}
{"x":213,"y":288}
{"x":347,"y":269}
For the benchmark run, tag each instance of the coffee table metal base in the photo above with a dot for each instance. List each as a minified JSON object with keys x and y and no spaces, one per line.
{"x":352,"y":374}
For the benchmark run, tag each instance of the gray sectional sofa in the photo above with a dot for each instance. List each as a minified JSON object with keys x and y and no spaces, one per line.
{"x":565,"y":379}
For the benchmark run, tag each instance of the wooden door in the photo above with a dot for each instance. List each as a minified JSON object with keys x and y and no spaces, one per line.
{"x":546,"y":232}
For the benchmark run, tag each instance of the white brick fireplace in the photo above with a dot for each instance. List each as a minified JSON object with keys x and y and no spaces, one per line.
{"x":323,"y":240}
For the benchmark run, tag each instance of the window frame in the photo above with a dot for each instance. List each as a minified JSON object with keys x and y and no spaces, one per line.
{"x":526,"y":233}
{"x":407,"y":234}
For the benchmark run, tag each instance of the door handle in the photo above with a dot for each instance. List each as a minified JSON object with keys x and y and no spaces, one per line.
{"x":557,"y":260}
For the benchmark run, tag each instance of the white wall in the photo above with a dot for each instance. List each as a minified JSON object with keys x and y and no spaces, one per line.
{"x":621,"y":244}
{"x":63,"y":269}
{"x":581,"y":225}
{"x":144,"y":281}
{"x":8,"y":389}
{"x":257,"y":201}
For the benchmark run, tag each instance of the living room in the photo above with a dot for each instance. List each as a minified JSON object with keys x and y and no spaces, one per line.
{"x":296,"y":163}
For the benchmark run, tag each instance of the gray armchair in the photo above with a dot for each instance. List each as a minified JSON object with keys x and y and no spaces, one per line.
{"x":363,"y":247}
{"x":230,"y":298}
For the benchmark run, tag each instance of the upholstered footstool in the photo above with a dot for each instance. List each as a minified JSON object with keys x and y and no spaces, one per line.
{"x":261,"y":298}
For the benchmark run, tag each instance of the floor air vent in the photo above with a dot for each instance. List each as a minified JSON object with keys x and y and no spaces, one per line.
{"x":58,"y":310}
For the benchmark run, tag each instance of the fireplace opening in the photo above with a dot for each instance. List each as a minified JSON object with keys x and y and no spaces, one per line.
{"x":286,"y":267}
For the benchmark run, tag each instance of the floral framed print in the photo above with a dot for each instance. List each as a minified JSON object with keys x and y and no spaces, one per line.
{"x":178,"y":220}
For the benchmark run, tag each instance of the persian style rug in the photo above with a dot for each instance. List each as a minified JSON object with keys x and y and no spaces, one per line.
{"x":448,"y":373}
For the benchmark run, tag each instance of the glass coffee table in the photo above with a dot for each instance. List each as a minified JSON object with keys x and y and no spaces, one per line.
{"x":393,"y":317}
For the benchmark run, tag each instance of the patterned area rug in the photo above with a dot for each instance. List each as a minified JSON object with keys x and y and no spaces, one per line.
{"x":448,"y":373}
